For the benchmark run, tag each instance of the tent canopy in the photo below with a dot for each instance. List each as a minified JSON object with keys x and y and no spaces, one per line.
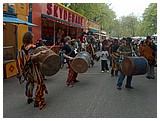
{"x":17,"y":21}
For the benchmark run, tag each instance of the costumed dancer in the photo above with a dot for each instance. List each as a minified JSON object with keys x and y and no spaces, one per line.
{"x":28,"y":70}
{"x":69,"y":54}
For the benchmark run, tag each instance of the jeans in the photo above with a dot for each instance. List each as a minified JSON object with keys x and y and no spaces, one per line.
{"x":121,"y":78}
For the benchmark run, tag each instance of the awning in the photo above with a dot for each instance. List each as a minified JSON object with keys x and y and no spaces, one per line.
{"x":16,"y":21}
{"x":57,"y":19}
{"x":94,"y":31}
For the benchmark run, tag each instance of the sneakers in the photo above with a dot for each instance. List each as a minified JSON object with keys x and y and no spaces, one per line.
{"x":129,"y":87}
{"x":69,"y":85}
{"x":102,"y":71}
{"x":119,"y":88}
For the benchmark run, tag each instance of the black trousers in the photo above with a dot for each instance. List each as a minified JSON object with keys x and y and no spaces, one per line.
{"x":104,"y":65}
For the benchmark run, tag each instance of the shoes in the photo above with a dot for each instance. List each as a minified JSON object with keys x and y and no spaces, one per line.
{"x":69,"y":85}
{"x":148,"y":77}
{"x":152,"y":77}
{"x":29,"y":100}
{"x":76,"y":81}
{"x":107,"y":71}
{"x":129,"y":87}
{"x":119,"y":88}
{"x":102,"y":71}
{"x":36,"y":105}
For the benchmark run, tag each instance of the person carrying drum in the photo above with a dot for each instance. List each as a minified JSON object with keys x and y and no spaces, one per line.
{"x":69,"y":54}
{"x":28,"y":70}
{"x":115,"y":58}
{"x":149,"y":52}
{"x":126,"y":50}
{"x":90,"y":50}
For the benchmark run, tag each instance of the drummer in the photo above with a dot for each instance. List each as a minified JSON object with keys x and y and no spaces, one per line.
{"x":125,"y":50}
{"x":28,"y":70}
{"x":69,"y":54}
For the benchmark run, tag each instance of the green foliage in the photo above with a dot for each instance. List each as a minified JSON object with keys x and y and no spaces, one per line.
{"x":98,"y":12}
{"x":149,"y":22}
{"x":129,"y":25}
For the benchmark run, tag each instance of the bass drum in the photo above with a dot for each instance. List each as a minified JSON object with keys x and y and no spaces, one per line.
{"x":49,"y":62}
{"x":80,"y":63}
{"x":134,"y":66}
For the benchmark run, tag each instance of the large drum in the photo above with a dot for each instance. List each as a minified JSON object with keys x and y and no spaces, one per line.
{"x":80,"y":63}
{"x":134,"y":66}
{"x":49,"y":62}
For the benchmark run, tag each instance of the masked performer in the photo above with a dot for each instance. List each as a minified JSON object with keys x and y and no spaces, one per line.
{"x":28,"y":70}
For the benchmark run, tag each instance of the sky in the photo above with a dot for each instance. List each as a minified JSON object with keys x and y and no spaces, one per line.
{"x":127,"y":7}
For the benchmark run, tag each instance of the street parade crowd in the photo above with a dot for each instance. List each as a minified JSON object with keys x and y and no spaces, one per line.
{"x":112,"y":52}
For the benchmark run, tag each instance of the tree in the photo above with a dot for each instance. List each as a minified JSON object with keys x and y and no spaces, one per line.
{"x":149,"y":22}
{"x":98,"y":12}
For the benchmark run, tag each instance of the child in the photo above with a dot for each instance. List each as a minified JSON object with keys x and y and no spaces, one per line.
{"x":104,"y":55}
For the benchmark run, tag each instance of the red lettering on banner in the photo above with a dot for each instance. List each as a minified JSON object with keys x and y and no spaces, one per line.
{"x":65,"y":15}
{"x":49,"y":7}
{"x":73,"y":18}
{"x":55,"y":11}
{"x":61,"y":12}
{"x":69,"y":16}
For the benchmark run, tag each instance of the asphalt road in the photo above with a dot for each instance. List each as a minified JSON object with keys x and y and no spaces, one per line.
{"x":95,"y":96}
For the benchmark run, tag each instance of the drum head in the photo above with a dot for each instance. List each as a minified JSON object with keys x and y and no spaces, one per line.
{"x":79,"y":65}
{"x":127,"y":66}
{"x":51,"y":65}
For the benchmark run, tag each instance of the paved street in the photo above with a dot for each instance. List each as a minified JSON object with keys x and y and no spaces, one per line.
{"x":95,"y":96}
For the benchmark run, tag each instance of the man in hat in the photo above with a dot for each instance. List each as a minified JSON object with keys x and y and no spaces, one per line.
{"x":69,"y":54}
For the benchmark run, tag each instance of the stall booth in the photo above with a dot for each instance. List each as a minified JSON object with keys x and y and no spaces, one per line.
{"x":93,"y":28}
{"x":56,"y":21}
{"x":15,"y":17}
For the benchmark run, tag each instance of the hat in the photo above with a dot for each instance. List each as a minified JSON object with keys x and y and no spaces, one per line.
{"x":67,"y":38}
{"x":148,"y":37}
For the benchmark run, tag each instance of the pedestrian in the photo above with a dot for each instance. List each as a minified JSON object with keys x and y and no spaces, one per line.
{"x":69,"y":54}
{"x":115,"y":58}
{"x":126,"y":50}
{"x":90,"y":50}
{"x":149,"y":52}
{"x":29,"y":70}
{"x":104,"y":55}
